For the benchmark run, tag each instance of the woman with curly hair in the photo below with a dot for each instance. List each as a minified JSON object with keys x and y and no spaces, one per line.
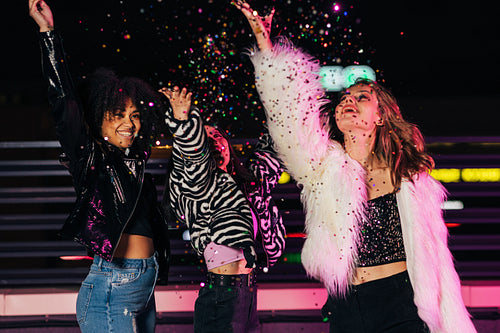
{"x":106,"y":141}
{"x":375,"y":233}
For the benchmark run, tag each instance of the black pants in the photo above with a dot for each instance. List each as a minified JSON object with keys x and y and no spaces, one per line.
{"x":384,"y":305}
{"x":227,"y":303}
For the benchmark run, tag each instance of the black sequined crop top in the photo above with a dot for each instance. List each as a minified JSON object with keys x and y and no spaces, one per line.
{"x":381,"y":236}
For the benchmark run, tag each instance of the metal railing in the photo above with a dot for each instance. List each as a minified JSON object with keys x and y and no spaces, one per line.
{"x":36,"y":195}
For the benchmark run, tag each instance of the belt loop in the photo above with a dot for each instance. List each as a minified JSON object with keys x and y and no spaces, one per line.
{"x":99,"y":262}
{"x":155,"y":259}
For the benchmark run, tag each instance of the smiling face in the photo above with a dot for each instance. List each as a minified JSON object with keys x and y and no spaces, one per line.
{"x":358,"y":110}
{"x":219,"y":147}
{"x":121,"y":127}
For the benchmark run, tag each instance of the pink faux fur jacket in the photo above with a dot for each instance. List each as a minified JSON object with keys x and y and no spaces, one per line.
{"x":333,"y":193}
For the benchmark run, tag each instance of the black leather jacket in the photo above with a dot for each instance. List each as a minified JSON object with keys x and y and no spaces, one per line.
{"x":107,"y":193}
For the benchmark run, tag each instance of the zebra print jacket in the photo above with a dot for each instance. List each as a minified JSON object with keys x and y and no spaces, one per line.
{"x":211,"y":204}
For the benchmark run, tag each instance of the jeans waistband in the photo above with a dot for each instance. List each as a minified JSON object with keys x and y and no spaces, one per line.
{"x":126,"y":262}
{"x":239,"y":280}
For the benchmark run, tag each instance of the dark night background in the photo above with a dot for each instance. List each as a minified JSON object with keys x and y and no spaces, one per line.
{"x":441,"y":58}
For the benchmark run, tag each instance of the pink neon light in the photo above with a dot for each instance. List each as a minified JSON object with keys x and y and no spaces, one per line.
{"x":75,"y":258}
{"x":296,"y":235}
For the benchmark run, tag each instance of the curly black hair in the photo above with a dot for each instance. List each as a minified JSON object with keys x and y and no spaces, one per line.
{"x":104,"y":91}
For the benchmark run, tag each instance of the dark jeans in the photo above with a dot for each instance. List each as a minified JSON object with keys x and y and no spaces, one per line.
{"x":384,"y":305}
{"x":226,"y":305}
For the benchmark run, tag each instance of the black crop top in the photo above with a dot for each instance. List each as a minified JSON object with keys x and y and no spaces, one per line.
{"x":140,"y":222}
{"x":381,"y":236}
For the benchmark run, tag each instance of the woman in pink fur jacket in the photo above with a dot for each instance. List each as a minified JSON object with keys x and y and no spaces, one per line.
{"x":375,"y":233}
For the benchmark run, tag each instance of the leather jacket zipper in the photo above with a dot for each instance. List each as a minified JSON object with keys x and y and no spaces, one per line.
{"x":140,"y":179}
{"x":117,"y":185}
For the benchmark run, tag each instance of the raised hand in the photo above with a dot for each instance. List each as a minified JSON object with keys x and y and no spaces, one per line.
{"x":180,"y":100}
{"x":41,"y":13}
{"x":261,"y":26}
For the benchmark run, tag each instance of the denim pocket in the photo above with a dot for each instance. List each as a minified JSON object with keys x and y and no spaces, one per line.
{"x":125,"y":276}
{"x":83,"y":301}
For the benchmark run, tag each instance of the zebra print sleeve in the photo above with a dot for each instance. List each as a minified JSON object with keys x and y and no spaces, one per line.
{"x":190,"y":153}
{"x":265,"y":164}
{"x":267,"y":168}
{"x":192,"y":177}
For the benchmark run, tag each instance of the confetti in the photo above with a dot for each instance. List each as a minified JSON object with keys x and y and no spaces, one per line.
{"x":201,"y":45}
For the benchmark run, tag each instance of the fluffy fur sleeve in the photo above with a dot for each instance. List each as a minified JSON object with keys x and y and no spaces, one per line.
{"x":334,"y":211}
{"x":430,"y":264}
{"x":290,"y":89}
{"x":333,"y":189}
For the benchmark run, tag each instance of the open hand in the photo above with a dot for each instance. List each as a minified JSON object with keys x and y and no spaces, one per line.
{"x":180,"y":100}
{"x":261,"y":26}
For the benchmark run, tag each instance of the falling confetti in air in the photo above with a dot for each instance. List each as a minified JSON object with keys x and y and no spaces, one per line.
{"x":201,"y":45}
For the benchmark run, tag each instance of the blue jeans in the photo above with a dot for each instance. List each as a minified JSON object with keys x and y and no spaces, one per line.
{"x":118,"y":296}
{"x":384,"y":305}
{"x":228,"y":304}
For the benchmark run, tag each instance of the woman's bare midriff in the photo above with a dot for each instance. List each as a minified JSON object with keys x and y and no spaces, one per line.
{"x":366,"y":274}
{"x":232,"y":268}
{"x":134,"y":247}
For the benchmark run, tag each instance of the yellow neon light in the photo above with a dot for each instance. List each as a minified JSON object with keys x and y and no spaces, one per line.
{"x":481,"y":175}
{"x":467,"y":175}
{"x":284,"y":178}
{"x":447,"y":175}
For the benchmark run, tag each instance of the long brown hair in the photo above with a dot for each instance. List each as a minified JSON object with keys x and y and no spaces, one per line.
{"x":241,"y":175}
{"x":398,"y":143}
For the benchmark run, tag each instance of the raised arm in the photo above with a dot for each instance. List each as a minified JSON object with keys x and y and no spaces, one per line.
{"x":193,"y":166}
{"x":289,"y":87}
{"x":261,"y":26}
{"x":66,"y":110}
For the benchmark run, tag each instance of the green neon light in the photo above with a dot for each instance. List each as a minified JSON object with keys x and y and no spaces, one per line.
{"x":291,"y":258}
{"x":336,"y":78}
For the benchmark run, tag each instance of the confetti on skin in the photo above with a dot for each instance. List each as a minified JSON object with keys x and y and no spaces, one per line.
{"x":200,"y":45}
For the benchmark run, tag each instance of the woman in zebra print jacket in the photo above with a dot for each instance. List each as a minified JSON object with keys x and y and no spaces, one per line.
{"x":224,"y":205}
